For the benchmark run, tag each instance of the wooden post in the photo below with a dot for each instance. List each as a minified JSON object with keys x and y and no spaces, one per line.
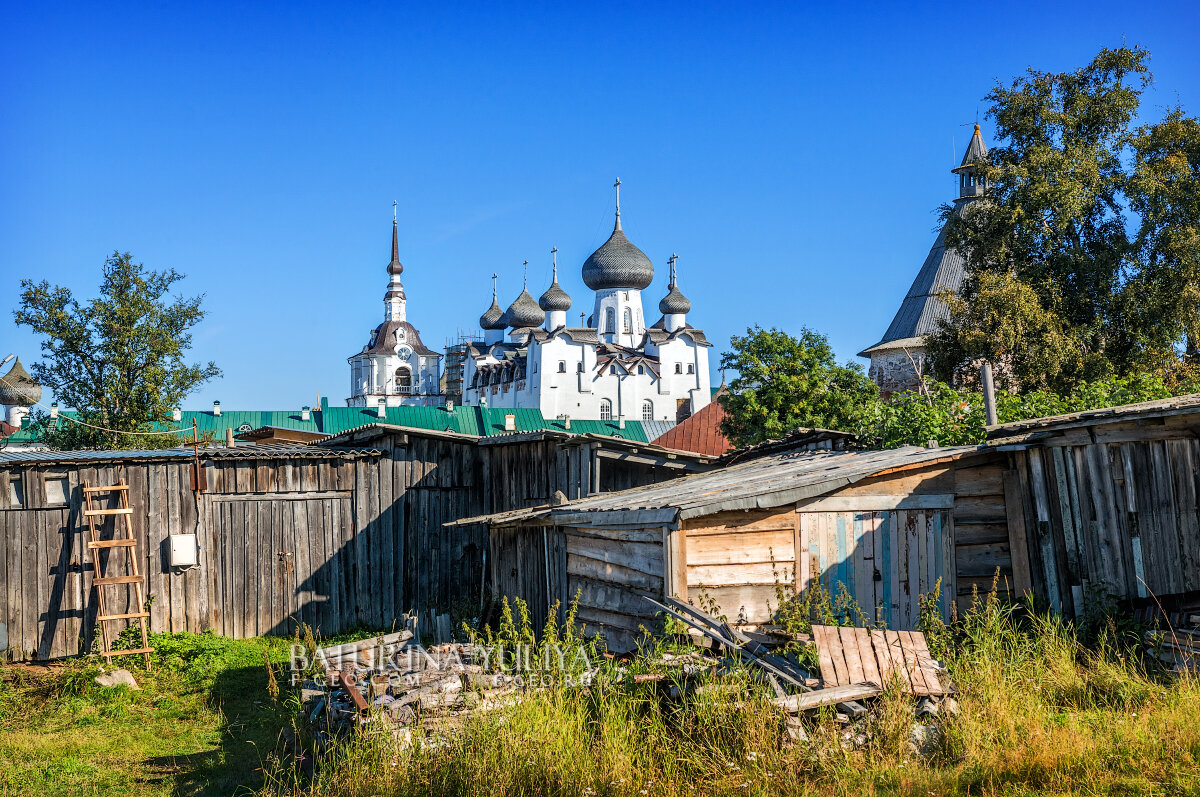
{"x":989,"y":394}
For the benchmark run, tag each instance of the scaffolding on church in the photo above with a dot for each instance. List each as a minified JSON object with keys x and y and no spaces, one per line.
{"x":454,"y":365}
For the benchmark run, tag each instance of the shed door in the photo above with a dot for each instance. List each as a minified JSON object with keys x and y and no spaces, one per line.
{"x":885,"y":560}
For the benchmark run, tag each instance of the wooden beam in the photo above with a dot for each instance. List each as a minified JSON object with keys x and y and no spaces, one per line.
{"x":876,"y":503}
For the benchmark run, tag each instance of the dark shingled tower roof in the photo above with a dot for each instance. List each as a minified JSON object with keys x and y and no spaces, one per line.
{"x":942,"y":270}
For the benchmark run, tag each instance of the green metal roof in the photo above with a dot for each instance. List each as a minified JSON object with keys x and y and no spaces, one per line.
{"x":327,"y":420}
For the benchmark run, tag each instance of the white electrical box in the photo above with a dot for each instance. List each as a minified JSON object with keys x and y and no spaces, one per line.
{"x":183,"y":550}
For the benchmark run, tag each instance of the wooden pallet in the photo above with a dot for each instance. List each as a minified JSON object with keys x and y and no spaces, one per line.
{"x":117,"y":546}
{"x":867,"y":655}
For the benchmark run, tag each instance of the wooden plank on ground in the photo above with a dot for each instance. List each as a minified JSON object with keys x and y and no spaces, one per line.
{"x":826,"y":697}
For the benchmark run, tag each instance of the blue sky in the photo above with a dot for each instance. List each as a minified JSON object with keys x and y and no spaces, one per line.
{"x":793,"y":154}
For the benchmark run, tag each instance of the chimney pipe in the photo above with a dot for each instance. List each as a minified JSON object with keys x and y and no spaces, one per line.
{"x":510,"y":423}
{"x":305,"y":413}
{"x":381,"y":410}
{"x":177,"y":415}
{"x":216,"y":408}
{"x":229,"y":441}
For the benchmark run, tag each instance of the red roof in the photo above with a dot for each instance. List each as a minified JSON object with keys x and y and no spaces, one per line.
{"x":700,"y":433}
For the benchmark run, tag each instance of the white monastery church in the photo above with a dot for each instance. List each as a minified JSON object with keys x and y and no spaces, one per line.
{"x":613,"y":368}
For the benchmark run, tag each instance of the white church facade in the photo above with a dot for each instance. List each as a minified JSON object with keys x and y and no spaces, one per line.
{"x":395,"y":368}
{"x":613,"y":367}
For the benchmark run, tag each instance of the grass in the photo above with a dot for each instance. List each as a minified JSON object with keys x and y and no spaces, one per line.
{"x":199,"y":724}
{"x":1041,"y":713}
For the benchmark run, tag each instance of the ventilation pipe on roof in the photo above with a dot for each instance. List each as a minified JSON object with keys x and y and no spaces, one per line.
{"x":229,"y":437}
{"x":216,"y":408}
{"x":449,"y":405}
{"x":54,"y":410}
{"x":510,"y":422}
{"x":305,"y":413}
{"x":177,"y":415}
{"x":381,"y":410}
{"x":621,"y":422}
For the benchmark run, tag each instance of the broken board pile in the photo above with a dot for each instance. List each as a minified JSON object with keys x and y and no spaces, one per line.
{"x":1174,"y":636}
{"x":392,"y":682}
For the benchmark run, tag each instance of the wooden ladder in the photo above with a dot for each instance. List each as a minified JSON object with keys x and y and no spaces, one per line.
{"x":95,"y":520}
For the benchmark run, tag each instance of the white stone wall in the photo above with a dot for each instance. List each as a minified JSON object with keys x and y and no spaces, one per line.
{"x":580,"y":394}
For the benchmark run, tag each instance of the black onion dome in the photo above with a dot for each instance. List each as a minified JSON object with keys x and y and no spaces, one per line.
{"x":555,"y":298}
{"x":524,"y":312}
{"x":674,"y":303}
{"x":493,"y":317}
{"x":618,"y":264}
{"x":18,"y":387}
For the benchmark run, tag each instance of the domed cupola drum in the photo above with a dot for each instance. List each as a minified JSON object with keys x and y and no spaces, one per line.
{"x":555,"y":301}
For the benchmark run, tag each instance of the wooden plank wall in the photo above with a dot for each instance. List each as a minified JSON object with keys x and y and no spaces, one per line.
{"x":887,"y":560}
{"x":612,"y":571}
{"x":981,"y":530}
{"x":738,"y":562}
{"x":1109,"y":515}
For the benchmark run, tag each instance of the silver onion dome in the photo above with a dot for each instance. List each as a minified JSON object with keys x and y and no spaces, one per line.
{"x":493,"y":317}
{"x":674,"y":303}
{"x":524,"y":312}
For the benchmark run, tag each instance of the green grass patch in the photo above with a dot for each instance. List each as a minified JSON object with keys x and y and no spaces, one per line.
{"x":202,"y":722}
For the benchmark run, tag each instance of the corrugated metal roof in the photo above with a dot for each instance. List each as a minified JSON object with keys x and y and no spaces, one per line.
{"x":336,"y":420}
{"x":700,"y":433}
{"x":766,"y":482}
{"x":267,"y":451}
{"x":64,"y":457}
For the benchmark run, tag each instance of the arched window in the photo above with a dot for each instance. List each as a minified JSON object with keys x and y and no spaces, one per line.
{"x":605,"y":409}
{"x":647,"y":410}
{"x":610,"y":320}
{"x":562,"y":366}
{"x":628,"y":320}
{"x":679,"y":368}
{"x":403,"y":380}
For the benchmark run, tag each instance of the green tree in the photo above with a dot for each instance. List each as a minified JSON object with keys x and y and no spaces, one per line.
{"x":1164,"y":189}
{"x":1082,"y":256}
{"x":119,"y":359}
{"x":956,"y":417}
{"x":784,"y":383}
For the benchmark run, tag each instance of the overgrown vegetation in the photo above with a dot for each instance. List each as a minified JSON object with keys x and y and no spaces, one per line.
{"x":1041,"y":713}
{"x":767,"y":400}
{"x":1046,"y":708}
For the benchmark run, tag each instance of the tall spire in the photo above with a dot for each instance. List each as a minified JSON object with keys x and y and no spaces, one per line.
{"x":395,"y":267}
{"x":617,"y":185}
